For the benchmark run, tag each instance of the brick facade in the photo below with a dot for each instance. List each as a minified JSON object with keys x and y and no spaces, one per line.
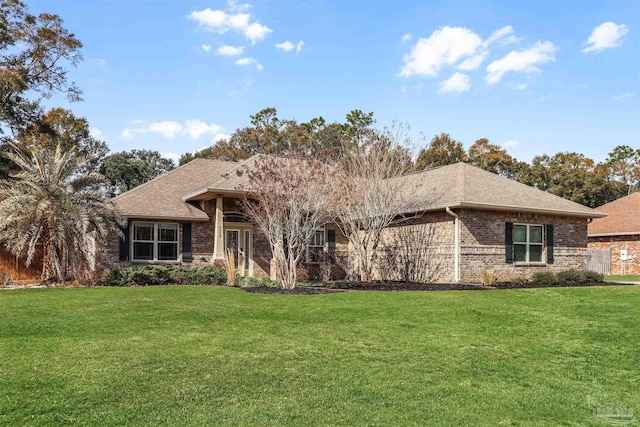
{"x":482,"y":246}
{"x":630,"y":243}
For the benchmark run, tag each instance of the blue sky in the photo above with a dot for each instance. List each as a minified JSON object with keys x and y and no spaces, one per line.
{"x":536,"y":76}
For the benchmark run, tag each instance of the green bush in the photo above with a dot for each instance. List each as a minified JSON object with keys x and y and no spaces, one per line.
{"x":153,"y":275}
{"x":544,"y":278}
{"x":517,"y":280}
{"x":5,"y":279}
{"x":569,"y":276}
{"x":254,"y":282}
{"x":591,"y":277}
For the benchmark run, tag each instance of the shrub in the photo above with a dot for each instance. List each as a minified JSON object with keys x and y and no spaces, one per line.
{"x":114,"y":277}
{"x":592,"y":277}
{"x":488,"y":277}
{"x":254,"y":282}
{"x":544,"y":278}
{"x":5,"y":279}
{"x":205,"y":275}
{"x":569,"y":276}
{"x":153,"y":275}
{"x":518,"y":281}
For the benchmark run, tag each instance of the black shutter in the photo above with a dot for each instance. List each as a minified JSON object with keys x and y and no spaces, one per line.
{"x":331,"y":241}
{"x":124,"y":244}
{"x":549,"y":243}
{"x":187,"y":256}
{"x":508,"y":242}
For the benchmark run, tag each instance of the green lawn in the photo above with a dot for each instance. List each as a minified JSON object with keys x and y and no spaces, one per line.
{"x":219,"y":356}
{"x":627,"y":278}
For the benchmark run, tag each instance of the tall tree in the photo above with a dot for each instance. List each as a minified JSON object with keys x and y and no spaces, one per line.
{"x":128,"y":169}
{"x":624,"y":164}
{"x":35,"y":52}
{"x":367,"y":197}
{"x":492,"y":158}
{"x":441,"y":151}
{"x":50,"y":203}
{"x":290,"y":199}
{"x":61,"y":127}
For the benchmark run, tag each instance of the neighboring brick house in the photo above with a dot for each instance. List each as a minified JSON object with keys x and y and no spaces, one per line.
{"x":620,"y":233}
{"x":475,"y":221}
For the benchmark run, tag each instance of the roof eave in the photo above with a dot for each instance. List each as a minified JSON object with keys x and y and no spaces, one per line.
{"x":619,"y":233}
{"x":509,"y":208}
{"x":205,"y":193}
{"x":167,"y":217}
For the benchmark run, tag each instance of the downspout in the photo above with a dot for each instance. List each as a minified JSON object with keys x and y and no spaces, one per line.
{"x":456,"y":246}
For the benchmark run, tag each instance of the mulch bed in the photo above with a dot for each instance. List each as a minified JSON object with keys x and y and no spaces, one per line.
{"x":409,"y":286}
{"x":302,"y":290}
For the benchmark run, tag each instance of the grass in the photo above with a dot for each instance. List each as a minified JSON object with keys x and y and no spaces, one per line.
{"x":627,"y":278}
{"x":219,"y":356}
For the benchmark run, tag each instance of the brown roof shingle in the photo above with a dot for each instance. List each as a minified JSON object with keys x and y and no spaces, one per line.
{"x":464,"y":185}
{"x":623,"y":217}
{"x":162,"y":196}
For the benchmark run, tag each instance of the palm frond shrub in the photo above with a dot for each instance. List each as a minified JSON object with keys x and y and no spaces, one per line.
{"x":50,"y":203}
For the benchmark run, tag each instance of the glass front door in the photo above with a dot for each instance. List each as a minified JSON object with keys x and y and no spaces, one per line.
{"x":232,"y":244}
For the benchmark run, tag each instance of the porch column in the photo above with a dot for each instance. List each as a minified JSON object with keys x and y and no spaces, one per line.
{"x":218,"y":241}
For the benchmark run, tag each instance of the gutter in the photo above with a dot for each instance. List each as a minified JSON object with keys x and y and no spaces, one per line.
{"x":456,"y":245}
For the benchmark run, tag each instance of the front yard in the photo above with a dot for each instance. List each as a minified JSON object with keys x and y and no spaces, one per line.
{"x":182,"y":355}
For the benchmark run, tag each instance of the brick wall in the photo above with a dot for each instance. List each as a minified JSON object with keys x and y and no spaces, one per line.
{"x":203,"y":235}
{"x":482,"y":244}
{"x":421,"y":249}
{"x":616,"y":244}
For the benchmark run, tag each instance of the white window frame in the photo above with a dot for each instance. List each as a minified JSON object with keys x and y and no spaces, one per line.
{"x":528,"y":243}
{"x":155,"y":241}
{"x":312,"y":246}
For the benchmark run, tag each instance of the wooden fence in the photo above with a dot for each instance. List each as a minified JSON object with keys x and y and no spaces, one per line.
{"x":9,"y":264}
{"x":599,"y":260}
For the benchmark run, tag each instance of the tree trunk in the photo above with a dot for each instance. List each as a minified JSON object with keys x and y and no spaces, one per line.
{"x":48,"y":255}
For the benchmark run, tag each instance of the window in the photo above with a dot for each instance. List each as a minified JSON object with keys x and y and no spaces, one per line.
{"x":315,"y":248}
{"x":155,"y":242}
{"x":527,"y":243}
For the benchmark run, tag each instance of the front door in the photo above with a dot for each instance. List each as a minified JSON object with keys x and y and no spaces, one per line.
{"x":232,"y":244}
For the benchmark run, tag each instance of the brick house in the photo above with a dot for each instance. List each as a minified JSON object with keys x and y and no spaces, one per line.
{"x":475,"y":221}
{"x":620,"y":233}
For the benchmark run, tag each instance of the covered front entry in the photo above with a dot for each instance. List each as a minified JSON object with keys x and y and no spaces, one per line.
{"x":238,"y":241}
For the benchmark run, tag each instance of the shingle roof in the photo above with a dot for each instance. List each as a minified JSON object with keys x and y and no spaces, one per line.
{"x":457,"y":185}
{"x":623,"y":217}
{"x":464,"y":185}
{"x":162,"y":196}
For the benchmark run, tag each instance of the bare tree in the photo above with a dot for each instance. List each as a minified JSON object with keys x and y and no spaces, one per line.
{"x":288,"y":199}
{"x":412,"y":253}
{"x":369,"y":193}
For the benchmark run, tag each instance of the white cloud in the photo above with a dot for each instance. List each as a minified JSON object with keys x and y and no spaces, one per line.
{"x":511,"y":143}
{"x":504,"y":35}
{"x":196,"y":128}
{"x":221,"y":22}
{"x":526,"y":60}
{"x":445,"y":46}
{"x":288,"y":46}
{"x":406,"y":37}
{"x":220,"y":137}
{"x":624,"y":96}
{"x":459,"y":82}
{"x":605,"y":36}
{"x":474,"y":62}
{"x":249,"y":61}
{"x":126,"y":134}
{"x":227,"y":50}
{"x":101,"y":62}
{"x":96,"y":133}
{"x":234,"y":6}
{"x":521,"y":86}
{"x":168,"y":129}
{"x":172,"y":156}
{"x":206,"y":47}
